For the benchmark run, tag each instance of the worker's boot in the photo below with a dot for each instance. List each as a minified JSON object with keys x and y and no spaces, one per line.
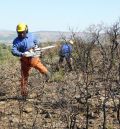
{"x":47,"y":76}
{"x":69,"y":66}
{"x":24,"y":90}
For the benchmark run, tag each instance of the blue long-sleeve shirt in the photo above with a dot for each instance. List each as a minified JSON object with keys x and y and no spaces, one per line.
{"x":66,"y":48}
{"x":22,"y":45}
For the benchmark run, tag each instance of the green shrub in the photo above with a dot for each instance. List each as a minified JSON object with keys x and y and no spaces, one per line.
{"x":5,"y":54}
{"x":58,"y":76}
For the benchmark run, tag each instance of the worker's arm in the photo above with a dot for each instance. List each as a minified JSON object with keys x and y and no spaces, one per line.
{"x":71,"y":49}
{"x":15,"y":50}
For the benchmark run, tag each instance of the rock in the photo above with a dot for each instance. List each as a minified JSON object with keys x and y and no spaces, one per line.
{"x":33,"y":95}
{"x":2,"y":93}
{"x":2,"y":106}
{"x":13,"y":119}
{"x":28,"y":109}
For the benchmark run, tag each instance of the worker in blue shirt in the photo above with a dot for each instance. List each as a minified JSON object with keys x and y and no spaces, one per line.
{"x":24,"y":42}
{"x":65,"y":52}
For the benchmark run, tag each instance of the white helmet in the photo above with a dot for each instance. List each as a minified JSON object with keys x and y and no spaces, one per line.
{"x":71,"y":42}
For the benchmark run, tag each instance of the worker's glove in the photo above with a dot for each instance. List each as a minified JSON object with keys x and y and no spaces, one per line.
{"x":37,"y":51}
{"x":24,"y":55}
{"x":28,"y":54}
{"x":36,"y":46}
{"x":34,"y":52}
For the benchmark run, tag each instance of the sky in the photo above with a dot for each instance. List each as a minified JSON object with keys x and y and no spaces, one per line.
{"x":58,"y":15}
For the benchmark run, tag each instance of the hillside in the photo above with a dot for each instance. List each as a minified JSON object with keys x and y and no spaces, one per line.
{"x":43,"y":36}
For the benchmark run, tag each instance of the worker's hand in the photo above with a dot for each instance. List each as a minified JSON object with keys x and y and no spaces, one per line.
{"x":29,"y":54}
{"x":24,"y":55}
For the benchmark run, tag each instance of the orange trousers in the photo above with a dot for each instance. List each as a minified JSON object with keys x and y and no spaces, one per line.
{"x":26,"y":64}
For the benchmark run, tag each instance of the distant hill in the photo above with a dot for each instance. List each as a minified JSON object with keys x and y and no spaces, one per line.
{"x":43,"y":36}
{"x":7,"y":36}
